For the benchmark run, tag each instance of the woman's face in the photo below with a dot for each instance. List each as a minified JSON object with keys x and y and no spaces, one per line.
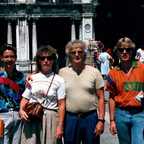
{"x":46,"y":62}
{"x":125,"y":53}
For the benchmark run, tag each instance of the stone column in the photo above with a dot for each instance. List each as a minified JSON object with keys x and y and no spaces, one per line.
{"x":9,"y":33}
{"x":17,"y":43}
{"x":17,"y":38}
{"x":73,"y":31}
{"x":80,"y":31}
{"x":34,"y":44}
{"x":27,"y":42}
{"x":34,"y":39}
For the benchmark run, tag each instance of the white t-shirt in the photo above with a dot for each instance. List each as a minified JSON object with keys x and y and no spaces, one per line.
{"x":142,"y":56}
{"x":39,"y":87}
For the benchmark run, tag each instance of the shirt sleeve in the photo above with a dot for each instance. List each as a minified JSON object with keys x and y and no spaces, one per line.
{"x":27,"y":93}
{"x":108,"y":56}
{"x":61,"y":92}
{"x":110,"y":83}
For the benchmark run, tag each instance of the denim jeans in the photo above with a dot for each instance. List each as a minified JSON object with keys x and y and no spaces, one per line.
{"x":130,"y":125}
{"x":12,"y":127}
{"x":81,"y":129}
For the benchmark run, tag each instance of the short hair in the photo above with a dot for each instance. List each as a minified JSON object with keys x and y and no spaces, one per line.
{"x":8,"y":47}
{"x":104,"y":49}
{"x":46,"y":49}
{"x":125,"y":41}
{"x":75,"y":44}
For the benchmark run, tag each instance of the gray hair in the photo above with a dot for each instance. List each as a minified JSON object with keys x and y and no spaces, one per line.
{"x":75,"y":44}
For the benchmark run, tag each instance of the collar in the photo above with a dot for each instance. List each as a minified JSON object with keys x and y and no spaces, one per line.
{"x":134,"y":65}
{"x":16,"y":76}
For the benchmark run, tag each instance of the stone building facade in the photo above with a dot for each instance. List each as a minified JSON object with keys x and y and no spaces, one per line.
{"x":29,"y":23}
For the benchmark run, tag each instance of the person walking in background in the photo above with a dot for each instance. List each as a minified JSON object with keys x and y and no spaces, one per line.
{"x":51,"y":127}
{"x":125,"y":83}
{"x":141,"y":55}
{"x":84,"y":84}
{"x":104,"y":58}
{"x":12,"y":85}
{"x":137,"y":53}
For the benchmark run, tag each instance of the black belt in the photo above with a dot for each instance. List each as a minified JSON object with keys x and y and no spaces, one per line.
{"x":81,"y":115}
{"x":9,"y":109}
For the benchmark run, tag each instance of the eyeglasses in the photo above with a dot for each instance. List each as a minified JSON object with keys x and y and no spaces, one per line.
{"x":74,"y":52}
{"x":47,"y":57}
{"x":126,"y":49}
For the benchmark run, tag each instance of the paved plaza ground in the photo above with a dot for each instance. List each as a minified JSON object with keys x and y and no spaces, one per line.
{"x":107,"y":137}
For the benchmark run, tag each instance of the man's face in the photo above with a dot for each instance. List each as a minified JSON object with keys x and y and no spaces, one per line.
{"x":76,"y":55}
{"x":9,"y":59}
{"x":125,"y":53}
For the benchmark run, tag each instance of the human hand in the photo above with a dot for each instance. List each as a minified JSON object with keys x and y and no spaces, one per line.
{"x":113,"y":128}
{"x":59,"y":132}
{"x":99,"y":129}
{"x":28,"y":77}
{"x":23,"y":116}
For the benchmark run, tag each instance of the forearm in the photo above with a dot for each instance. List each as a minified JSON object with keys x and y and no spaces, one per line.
{"x":22,"y":112}
{"x":61,"y":104}
{"x":23,"y":103}
{"x":111,"y":108}
{"x":101,"y":103}
{"x":101,"y":108}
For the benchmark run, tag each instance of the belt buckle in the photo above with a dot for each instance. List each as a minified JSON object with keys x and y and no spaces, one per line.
{"x":81,"y":115}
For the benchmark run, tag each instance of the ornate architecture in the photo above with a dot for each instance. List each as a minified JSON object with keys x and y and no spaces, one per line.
{"x":29,"y":23}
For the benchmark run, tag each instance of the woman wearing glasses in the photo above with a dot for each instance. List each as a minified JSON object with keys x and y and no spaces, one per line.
{"x":50,"y":130}
{"x":126,"y":83}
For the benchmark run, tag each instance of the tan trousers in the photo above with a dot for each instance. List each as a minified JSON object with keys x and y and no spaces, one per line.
{"x":49,"y":125}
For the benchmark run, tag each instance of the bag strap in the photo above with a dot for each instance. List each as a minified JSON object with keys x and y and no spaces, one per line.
{"x":49,"y":88}
{"x":50,"y":85}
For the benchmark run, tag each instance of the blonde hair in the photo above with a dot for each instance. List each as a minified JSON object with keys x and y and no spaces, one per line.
{"x":125,"y":41}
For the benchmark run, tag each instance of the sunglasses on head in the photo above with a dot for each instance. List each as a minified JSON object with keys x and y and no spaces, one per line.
{"x":126,"y":49}
{"x":46,"y":57}
{"x":74,"y":52}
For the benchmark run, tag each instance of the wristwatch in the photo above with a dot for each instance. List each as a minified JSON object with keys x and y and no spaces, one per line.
{"x":102,"y":120}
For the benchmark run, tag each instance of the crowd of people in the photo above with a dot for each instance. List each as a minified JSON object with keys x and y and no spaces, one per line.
{"x":73,"y":99}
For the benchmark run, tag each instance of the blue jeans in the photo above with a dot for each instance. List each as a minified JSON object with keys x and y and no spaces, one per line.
{"x":12,"y":127}
{"x":81,"y":129}
{"x":130,"y":125}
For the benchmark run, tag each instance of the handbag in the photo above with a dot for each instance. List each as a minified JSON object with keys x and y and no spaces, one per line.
{"x":35,"y":110}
